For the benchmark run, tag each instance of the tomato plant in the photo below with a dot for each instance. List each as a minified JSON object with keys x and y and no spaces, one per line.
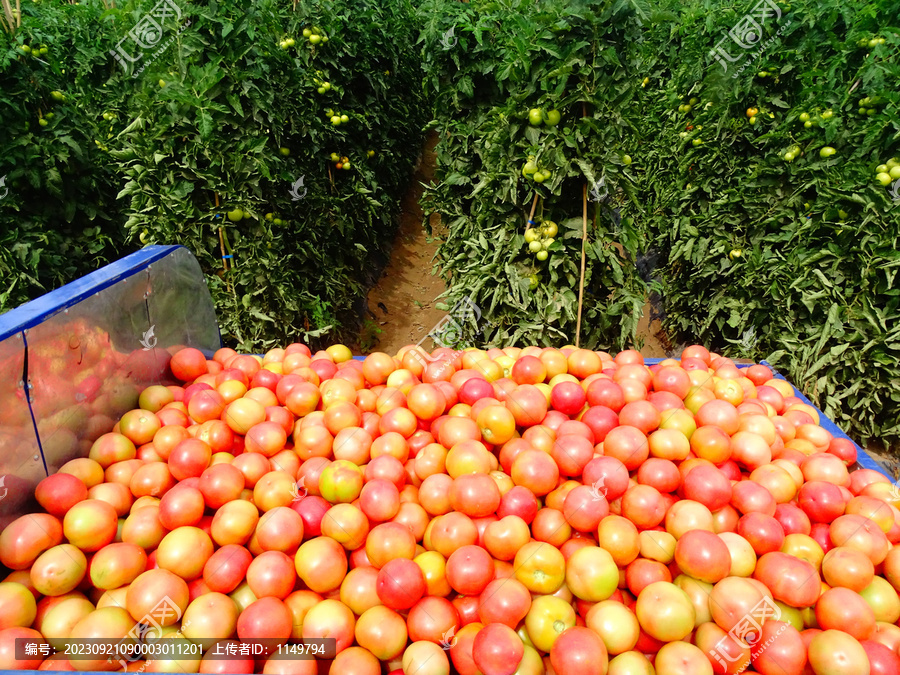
{"x":212,"y":135}
{"x":519,"y":101}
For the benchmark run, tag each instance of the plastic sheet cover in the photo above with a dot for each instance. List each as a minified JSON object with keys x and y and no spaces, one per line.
{"x":75,"y":359}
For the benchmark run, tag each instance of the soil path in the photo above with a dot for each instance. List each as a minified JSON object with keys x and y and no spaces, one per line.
{"x":402,"y":303}
{"x":403,"y":300}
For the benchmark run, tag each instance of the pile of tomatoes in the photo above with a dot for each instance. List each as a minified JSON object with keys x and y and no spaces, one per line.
{"x":503,"y":511}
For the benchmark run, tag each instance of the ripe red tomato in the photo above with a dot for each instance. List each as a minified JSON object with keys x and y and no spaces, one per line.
{"x":535,"y":470}
{"x":180,"y":507}
{"x":497,"y":649}
{"x":529,"y":370}
{"x":475,"y":494}
{"x":519,"y":501}
{"x":189,"y":458}
{"x":226,"y":568}
{"x":627,"y":444}
{"x":400,"y":584}
{"x":432,"y":619}
{"x":58,"y":493}
{"x":220,"y":484}
{"x":188,"y":364}
{"x":568,"y":398}
{"x":578,"y":650}
{"x":469,"y":570}
{"x":528,"y":405}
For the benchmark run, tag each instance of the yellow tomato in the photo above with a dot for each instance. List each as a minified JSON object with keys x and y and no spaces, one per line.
{"x":547,"y":618}
{"x":433,"y":566}
{"x":339,"y":353}
{"x":540,"y":567}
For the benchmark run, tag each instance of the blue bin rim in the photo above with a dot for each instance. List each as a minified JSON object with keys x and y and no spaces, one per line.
{"x":50,"y":304}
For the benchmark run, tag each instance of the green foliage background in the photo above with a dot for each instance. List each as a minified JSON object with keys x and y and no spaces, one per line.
{"x":509,"y":57}
{"x":813,"y":290}
{"x":84,"y":188}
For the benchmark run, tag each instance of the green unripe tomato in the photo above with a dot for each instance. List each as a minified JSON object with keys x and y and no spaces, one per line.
{"x":804,"y":117}
{"x":534,"y":246}
{"x":827,"y":151}
{"x":531,"y":235}
{"x":344,"y":119}
{"x":553,"y":118}
{"x":535,"y":117}
{"x":807,"y":124}
{"x":696,"y":142}
{"x":626,"y":160}
{"x":315,"y":39}
{"x":541,"y":255}
{"x":883,"y":178}
{"x":894,"y":173}
{"x":307,"y":32}
{"x":236,"y":215}
{"x":336,"y":120}
{"x":284,"y":151}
